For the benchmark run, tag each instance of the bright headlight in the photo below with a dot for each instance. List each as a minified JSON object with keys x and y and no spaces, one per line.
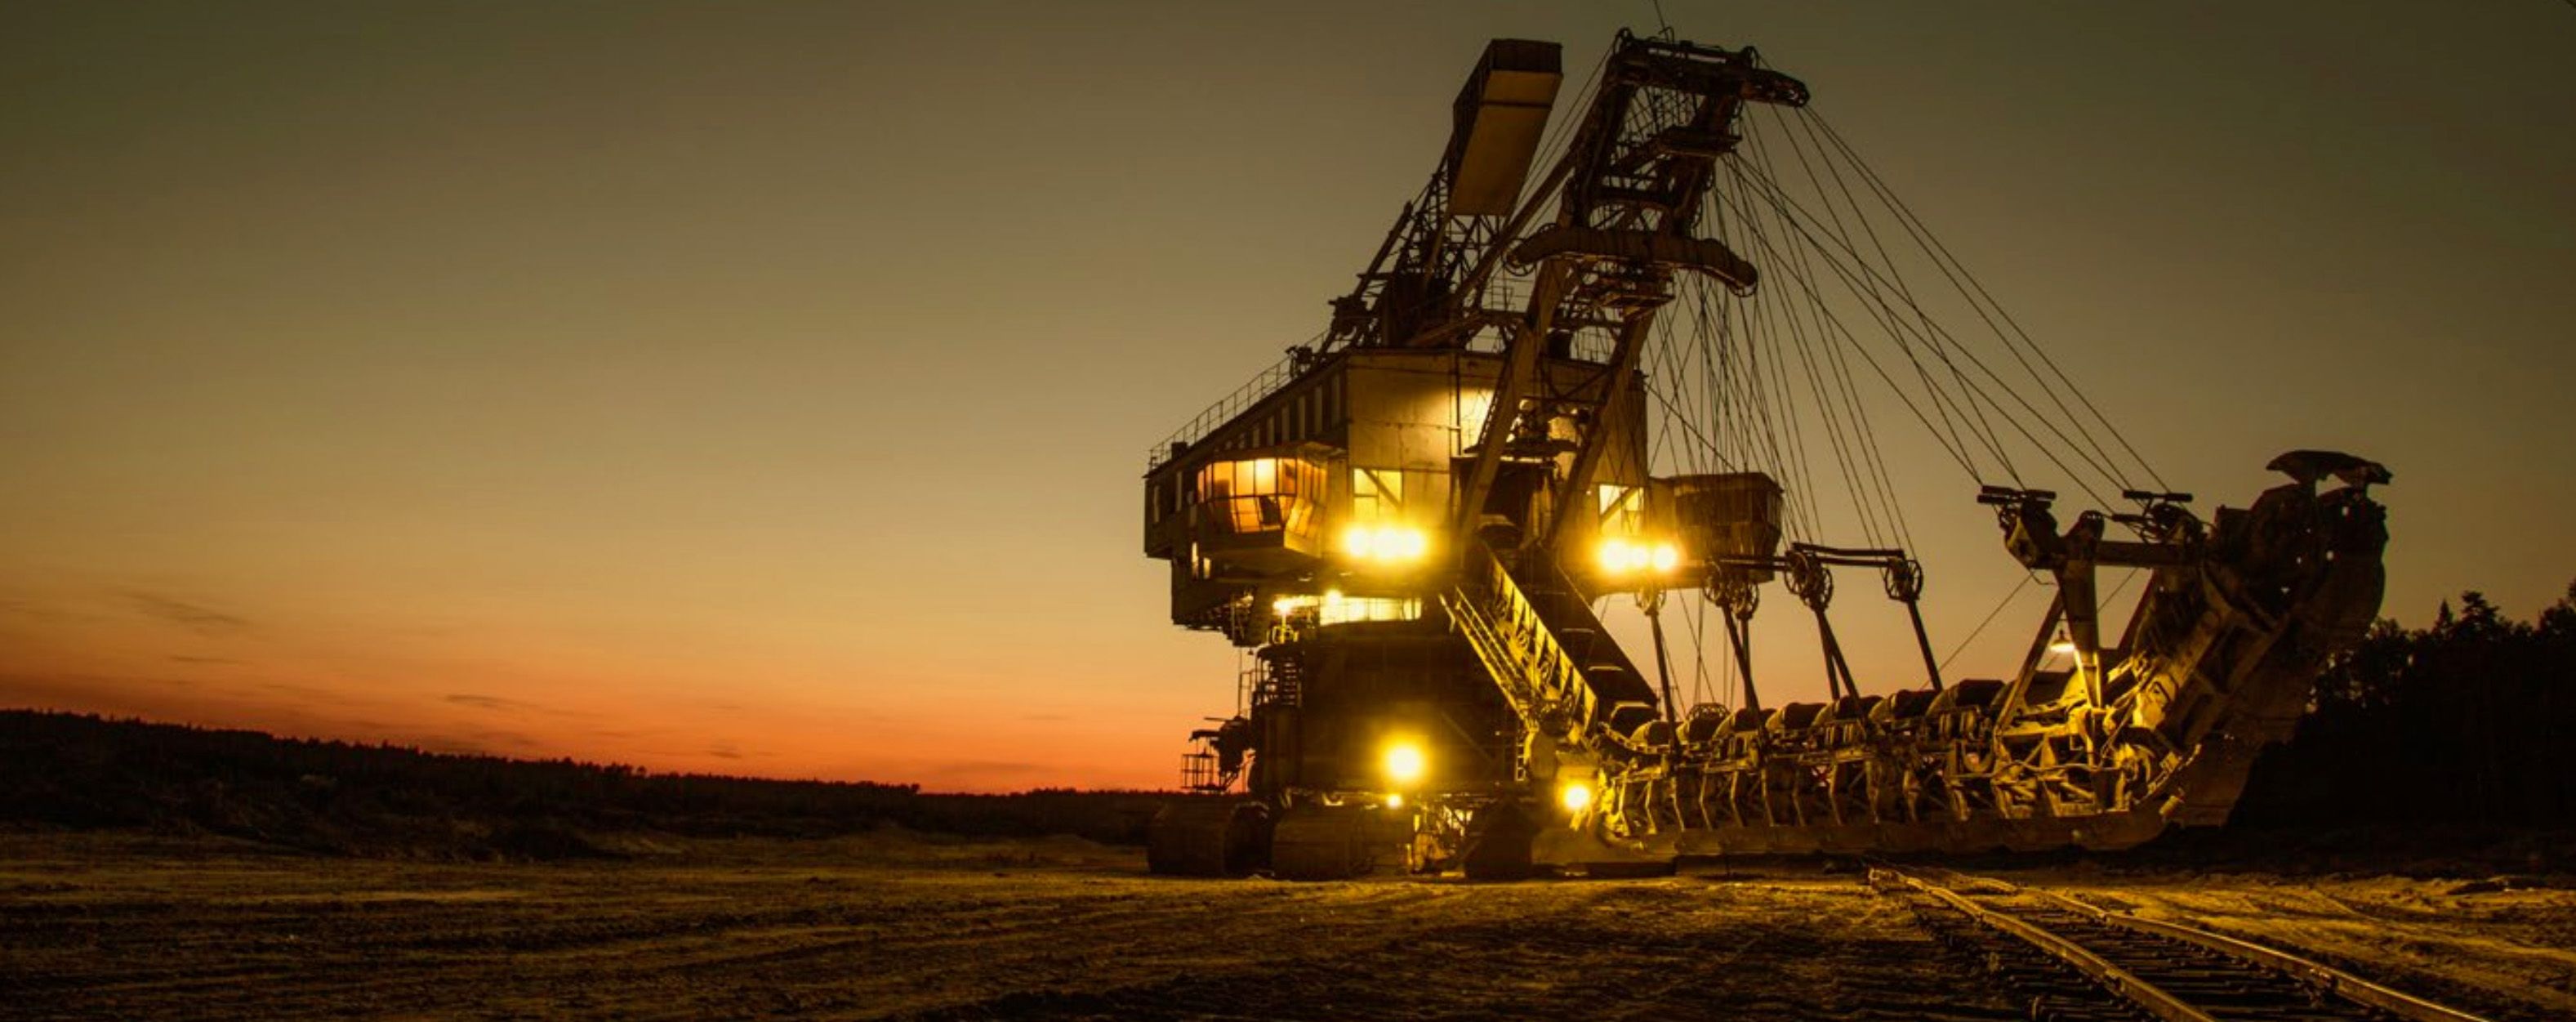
{"x":1404,"y":763}
{"x":1394,"y":543}
{"x":1410,"y":544}
{"x":1613,"y":555}
{"x":1620,"y":556}
{"x":1359,"y":541}
{"x":1574,"y":795}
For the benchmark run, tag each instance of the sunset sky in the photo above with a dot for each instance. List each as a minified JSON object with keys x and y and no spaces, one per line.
{"x":763,"y":388}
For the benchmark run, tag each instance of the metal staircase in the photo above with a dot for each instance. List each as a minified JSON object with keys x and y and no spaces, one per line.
{"x":1546,"y":652}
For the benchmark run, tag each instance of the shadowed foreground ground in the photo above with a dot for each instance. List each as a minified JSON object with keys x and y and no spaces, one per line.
{"x":900,"y":926}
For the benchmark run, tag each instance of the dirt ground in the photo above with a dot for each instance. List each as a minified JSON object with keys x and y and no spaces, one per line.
{"x":2484,"y":945}
{"x":904,"y":926}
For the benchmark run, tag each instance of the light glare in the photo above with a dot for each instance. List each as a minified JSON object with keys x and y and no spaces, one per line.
{"x":1359,"y":541}
{"x":1613,"y":555}
{"x":1404,"y":763}
{"x":1385,"y":543}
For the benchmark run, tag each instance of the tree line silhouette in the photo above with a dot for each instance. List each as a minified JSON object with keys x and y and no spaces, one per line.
{"x":2465,"y":722}
{"x":87,"y":772}
{"x":2471,"y":720}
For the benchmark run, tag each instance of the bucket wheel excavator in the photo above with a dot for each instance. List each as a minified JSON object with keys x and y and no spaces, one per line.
{"x":1550,"y":390}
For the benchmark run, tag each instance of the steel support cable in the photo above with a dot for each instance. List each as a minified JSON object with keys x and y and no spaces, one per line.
{"x":1777,"y":431}
{"x":1871,"y":231}
{"x":1780,"y":399}
{"x":1843,"y":234}
{"x":1784,"y":328}
{"x":2011,"y":420}
{"x":1924,"y":236}
{"x":1700,"y":376}
{"x":1712,"y":329}
{"x":1829,"y":409}
{"x":1874,"y":464}
{"x":1826,"y":414}
{"x":1729,"y":360}
{"x":1721,"y":364}
{"x":1914,"y":223}
{"x":1676,"y":413}
{"x":1973,"y":415}
{"x":1756,"y":311}
{"x":1876,"y":303}
{"x":1958,"y":455}
{"x":1699,"y":659}
{"x":1659,"y":365}
{"x":1938,"y":397}
{"x":1724,"y":425}
{"x":1779,"y":413}
{"x":1980,"y":426}
{"x":1662,"y":441}
{"x":1705,"y":453}
{"x":1990,"y":619}
{"x":1827,"y":406}
{"x":1737,"y":422}
{"x":1947,"y":264}
{"x":2109,"y":473}
{"x":1788,"y":460}
{"x":1726,"y":361}
{"x":1873,"y":456}
{"x":1704,"y":390}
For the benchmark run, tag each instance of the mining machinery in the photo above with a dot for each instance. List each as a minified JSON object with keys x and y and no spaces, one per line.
{"x":1410,"y":524}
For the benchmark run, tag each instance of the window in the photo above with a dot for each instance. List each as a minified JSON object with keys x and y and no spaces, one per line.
{"x":1623,"y":510}
{"x":1377,"y":494}
{"x":1260,"y":494}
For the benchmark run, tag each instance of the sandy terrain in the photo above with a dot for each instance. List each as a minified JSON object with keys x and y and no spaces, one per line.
{"x":898,"y":926}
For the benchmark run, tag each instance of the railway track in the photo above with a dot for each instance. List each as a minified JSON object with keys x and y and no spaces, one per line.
{"x":2075,"y":961}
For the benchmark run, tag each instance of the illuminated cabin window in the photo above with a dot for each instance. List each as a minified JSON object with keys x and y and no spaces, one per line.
{"x":1259,"y":495}
{"x":1377,"y":494}
{"x":1333,"y":608}
{"x":1623,"y":510}
{"x":1368,"y":608}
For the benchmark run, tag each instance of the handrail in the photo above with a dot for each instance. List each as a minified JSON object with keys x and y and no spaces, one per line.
{"x":1491,"y":650}
{"x":1549,"y":671}
{"x":1263,"y":384}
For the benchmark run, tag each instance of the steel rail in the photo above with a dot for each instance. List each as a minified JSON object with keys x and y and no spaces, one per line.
{"x":2333,"y":980}
{"x":2156,"y":1000}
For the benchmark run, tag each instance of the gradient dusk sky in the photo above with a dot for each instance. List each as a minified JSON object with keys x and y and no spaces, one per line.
{"x":763,"y":387}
